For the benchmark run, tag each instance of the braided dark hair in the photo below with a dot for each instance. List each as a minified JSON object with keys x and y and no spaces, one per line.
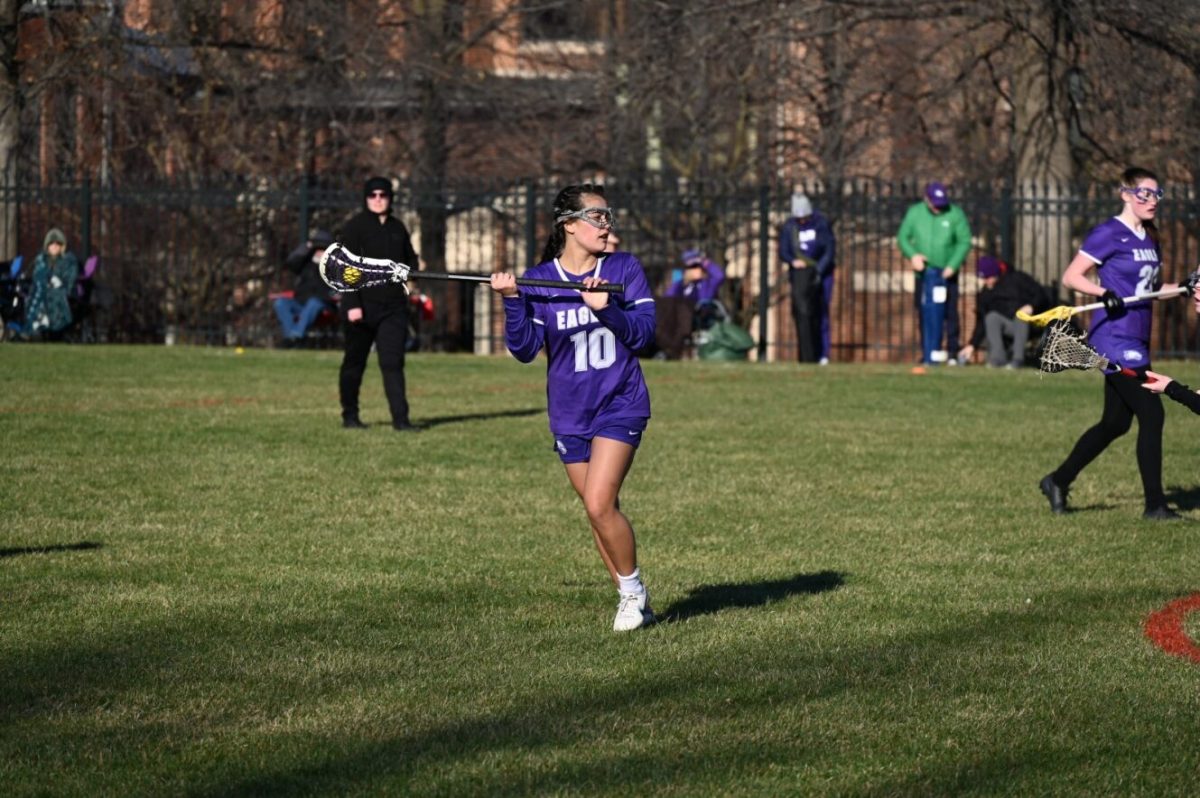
{"x":569,"y":200}
{"x":1130,"y":178}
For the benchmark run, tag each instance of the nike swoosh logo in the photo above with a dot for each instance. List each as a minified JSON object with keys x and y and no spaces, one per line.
{"x":634,"y":432}
{"x":1125,"y":240}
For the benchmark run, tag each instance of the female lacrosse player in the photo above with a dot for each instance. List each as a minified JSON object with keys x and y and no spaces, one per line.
{"x":1124,"y":251}
{"x":596,"y":396}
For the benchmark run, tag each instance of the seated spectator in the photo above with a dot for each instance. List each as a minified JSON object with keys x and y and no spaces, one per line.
{"x":311,"y":295}
{"x":677,"y":311}
{"x":700,"y":281}
{"x":48,"y":312}
{"x":1005,"y":291}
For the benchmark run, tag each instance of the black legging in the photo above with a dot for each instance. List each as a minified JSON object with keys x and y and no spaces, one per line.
{"x":1124,"y":398}
{"x":387,"y":329}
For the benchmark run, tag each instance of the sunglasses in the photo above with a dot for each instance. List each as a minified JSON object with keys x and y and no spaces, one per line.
{"x":1144,"y":194}
{"x":596,"y":217}
{"x":378,"y":195}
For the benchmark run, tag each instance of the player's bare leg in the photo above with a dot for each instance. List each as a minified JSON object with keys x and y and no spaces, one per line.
{"x":577,"y":473}
{"x":598,"y":484}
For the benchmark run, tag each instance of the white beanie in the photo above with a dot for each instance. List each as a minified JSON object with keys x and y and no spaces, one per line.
{"x":801,"y":206}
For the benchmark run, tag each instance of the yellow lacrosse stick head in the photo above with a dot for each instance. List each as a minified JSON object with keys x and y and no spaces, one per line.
{"x":1060,"y":313}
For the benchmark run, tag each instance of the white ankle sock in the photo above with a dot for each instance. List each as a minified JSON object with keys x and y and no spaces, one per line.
{"x":631,"y":584}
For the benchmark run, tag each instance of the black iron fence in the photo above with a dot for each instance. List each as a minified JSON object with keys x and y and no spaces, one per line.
{"x":180,"y":264}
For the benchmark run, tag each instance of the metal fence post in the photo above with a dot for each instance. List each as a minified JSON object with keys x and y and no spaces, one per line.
{"x":85,"y":221}
{"x":530,"y":224}
{"x":304,"y":204}
{"x":764,"y":268}
{"x":1005,"y":224}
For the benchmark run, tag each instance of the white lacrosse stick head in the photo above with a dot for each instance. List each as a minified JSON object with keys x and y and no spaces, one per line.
{"x":1064,"y":346}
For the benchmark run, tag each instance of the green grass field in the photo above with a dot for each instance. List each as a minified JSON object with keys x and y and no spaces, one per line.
{"x":209,"y":588}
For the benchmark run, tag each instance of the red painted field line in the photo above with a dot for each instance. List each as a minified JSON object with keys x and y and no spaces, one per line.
{"x":1165,"y":628}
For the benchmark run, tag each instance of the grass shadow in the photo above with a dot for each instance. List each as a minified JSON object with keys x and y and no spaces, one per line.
{"x":709,"y":599}
{"x":441,"y":756}
{"x":438,"y":421}
{"x":1184,"y":498}
{"x":81,"y":546}
{"x":419,"y":761}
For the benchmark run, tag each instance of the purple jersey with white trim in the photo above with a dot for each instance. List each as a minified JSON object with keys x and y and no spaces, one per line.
{"x":592,"y":372}
{"x":1129,"y":265}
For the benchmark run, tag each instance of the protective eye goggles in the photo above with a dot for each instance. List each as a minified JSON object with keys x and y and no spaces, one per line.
{"x":1144,"y":194}
{"x":597,"y":217}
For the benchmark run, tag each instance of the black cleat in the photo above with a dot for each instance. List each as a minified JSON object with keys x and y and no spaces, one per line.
{"x":405,"y":426}
{"x":1161,"y":513}
{"x":1056,"y":495}
{"x":353,"y":422}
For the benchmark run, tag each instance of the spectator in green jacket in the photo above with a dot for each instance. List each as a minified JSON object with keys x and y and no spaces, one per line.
{"x":54,"y":273}
{"x":935,"y":235}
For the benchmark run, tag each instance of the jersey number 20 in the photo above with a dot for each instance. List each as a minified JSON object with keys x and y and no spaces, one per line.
{"x":596,"y":348}
{"x":1147,"y":277}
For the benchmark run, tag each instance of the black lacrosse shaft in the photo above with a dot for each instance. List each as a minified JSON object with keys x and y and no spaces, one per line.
{"x":612,"y":288}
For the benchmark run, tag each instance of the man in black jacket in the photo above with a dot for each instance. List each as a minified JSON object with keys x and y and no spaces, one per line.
{"x":1005,"y":291}
{"x":378,"y":314}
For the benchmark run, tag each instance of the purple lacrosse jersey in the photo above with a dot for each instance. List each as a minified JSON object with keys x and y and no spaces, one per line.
{"x":592,"y":373}
{"x":1129,"y":265}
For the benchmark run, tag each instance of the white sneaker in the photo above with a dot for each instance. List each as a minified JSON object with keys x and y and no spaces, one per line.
{"x":823,"y":361}
{"x":633,"y":612}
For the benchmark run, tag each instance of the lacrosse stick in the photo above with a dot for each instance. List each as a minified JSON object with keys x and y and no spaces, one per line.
{"x":342,"y":270}
{"x":1064,"y":312}
{"x":1064,"y":346}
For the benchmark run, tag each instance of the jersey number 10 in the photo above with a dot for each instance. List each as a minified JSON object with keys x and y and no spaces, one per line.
{"x":596,"y":348}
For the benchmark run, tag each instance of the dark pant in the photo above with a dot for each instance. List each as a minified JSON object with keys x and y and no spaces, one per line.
{"x":1124,"y":398}
{"x":998,"y":327}
{"x":388,"y":330}
{"x":806,"y":313}
{"x":824,"y":302}
{"x":673,"y":324}
{"x":950,"y":326}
